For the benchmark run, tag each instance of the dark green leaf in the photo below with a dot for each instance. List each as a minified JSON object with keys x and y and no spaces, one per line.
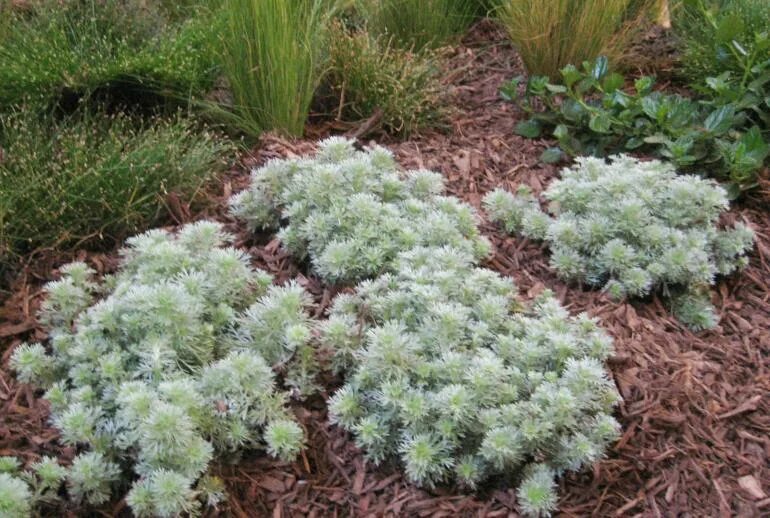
{"x":552,"y":155}
{"x":634,"y":143}
{"x":571,"y":75}
{"x":720,"y":120}
{"x":613,"y":82}
{"x":510,"y":90}
{"x":729,"y":28}
{"x":529,"y":129}
{"x":561,"y":132}
{"x":643,"y":85}
{"x":556,"y":89}
{"x":600,"y":122}
{"x":601,"y":66}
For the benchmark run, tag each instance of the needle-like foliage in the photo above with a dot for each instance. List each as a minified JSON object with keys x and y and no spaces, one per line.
{"x":166,"y":364}
{"x":444,"y":368}
{"x":633,"y":227}
{"x":351,"y":212}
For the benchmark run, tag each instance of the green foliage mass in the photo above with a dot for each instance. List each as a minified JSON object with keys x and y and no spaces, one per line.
{"x":550,"y":34}
{"x":274,"y":58}
{"x":166,"y":364}
{"x":418,"y":24}
{"x":93,"y":177}
{"x":351,"y":212}
{"x":718,"y":36}
{"x":590,"y":113}
{"x":443,"y":368}
{"x":368,"y":74}
{"x":81,"y":47}
{"x":633,"y":227}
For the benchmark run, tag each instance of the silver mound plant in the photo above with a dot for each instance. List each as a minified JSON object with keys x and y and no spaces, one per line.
{"x":351,"y":212}
{"x":444,"y":369}
{"x":631,"y":228}
{"x":166,"y":364}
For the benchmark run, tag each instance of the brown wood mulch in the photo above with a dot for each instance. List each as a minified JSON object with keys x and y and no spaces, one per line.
{"x":695,"y":414}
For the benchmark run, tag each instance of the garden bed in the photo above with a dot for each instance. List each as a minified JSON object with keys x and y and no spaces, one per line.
{"x":696,"y":409}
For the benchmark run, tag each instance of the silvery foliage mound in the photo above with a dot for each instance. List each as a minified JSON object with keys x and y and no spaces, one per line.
{"x":352,"y":212}
{"x":20,"y":490}
{"x":633,"y":227}
{"x":166,"y":364}
{"x":444,"y":375}
{"x":444,"y":370}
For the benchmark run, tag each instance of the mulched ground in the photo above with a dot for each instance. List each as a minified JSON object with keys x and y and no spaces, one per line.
{"x":696,"y":409}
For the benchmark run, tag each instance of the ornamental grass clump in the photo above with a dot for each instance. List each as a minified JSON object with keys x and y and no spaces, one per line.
{"x":446,"y":374}
{"x":351,"y":212}
{"x":166,"y":364}
{"x":633,"y":227}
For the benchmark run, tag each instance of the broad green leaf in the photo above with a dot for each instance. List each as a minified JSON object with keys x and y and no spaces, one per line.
{"x":613,"y":82}
{"x":510,"y":90}
{"x":634,"y":143}
{"x":729,"y":28}
{"x":561,"y":132}
{"x":720,"y":120}
{"x":650,"y":107}
{"x":552,"y":155}
{"x":556,"y":89}
{"x":530,"y":129}
{"x":571,"y":75}
{"x":601,"y":66}
{"x":644,"y":84}
{"x":600,"y":122}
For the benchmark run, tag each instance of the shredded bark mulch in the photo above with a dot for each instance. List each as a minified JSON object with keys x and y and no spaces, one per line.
{"x":696,"y":409}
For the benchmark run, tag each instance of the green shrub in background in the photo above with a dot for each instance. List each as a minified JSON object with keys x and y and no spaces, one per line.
{"x":367,"y":74}
{"x":718,"y":36}
{"x":165,"y":365}
{"x":550,"y":34}
{"x":274,"y":58}
{"x":590,"y":113}
{"x":93,"y":176}
{"x":726,"y":50}
{"x":80,"y":47}
{"x":418,"y":24}
{"x":633,"y":227}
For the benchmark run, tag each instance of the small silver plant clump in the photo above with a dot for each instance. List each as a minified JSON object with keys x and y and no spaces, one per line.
{"x":633,"y":227}
{"x":164,"y":365}
{"x":351,"y":212}
{"x":444,"y":369}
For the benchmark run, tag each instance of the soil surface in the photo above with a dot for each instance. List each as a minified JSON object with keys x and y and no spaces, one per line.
{"x":696,"y":408}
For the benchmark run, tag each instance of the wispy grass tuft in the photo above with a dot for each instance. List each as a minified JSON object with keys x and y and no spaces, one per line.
{"x":76,"y":48}
{"x":94,"y":177}
{"x":550,"y":34}
{"x":368,"y":74}
{"x":273,"y":60}
{"x":418,"y":24}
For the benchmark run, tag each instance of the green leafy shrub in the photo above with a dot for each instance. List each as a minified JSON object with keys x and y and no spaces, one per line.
{"x":351,"y":212}
{"x":166,"y":364}
{"x":633,"y":227}
{"x":418,"y":24}
{"x":273,"y":60}
{"x":444,"y":369}
{"x":92,"y":176}
{"x":550,"y":34}
{"x":718,"y":36}
{"x":81,"y":47}
{"x":369,"y":74}
{"x":590,"y":113}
